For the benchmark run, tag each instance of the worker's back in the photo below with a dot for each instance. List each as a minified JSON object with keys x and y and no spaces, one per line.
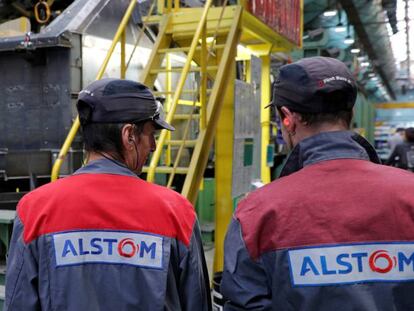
{"x":336,"y":235}
{"x":104,"y":239}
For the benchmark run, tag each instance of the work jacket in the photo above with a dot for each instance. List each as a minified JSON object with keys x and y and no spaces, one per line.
{"x":104,"y":239}
{"x":335,"y":232}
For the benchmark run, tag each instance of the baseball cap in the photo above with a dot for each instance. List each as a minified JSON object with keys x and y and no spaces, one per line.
{"x":119,"y":101}
{"x":315,"y":85}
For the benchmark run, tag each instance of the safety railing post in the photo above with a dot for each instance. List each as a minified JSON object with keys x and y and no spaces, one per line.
{"x":123,"y":65}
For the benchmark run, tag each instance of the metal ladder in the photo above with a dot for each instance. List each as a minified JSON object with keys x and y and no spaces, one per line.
{"x":209,"y":43}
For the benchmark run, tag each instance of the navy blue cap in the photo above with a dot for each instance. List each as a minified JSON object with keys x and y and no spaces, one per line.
{"x":315,"y":85}
{"x":119,"y":101}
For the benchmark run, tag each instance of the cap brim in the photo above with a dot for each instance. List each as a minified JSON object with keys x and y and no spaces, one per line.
{"x":161,"y":124}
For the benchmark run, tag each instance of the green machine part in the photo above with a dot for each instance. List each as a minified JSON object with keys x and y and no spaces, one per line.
{"x":205,"y":207}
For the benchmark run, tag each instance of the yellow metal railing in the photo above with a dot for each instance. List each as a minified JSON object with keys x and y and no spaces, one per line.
{"x":119,"y":36}
{"x":173,"y":106}
{"x":206,"y":52}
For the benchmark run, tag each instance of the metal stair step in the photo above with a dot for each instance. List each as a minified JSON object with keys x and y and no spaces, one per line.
{"x":187,"y":143}
{"x":167,"y":170}
{"x":158,"y":93}
{"x":186,"y":116}
{"x":187,"y":48}
{"x":180,"y":69}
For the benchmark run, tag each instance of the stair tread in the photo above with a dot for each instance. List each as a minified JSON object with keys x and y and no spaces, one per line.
{"x":167,"y":169}
{"x":187,"y":48}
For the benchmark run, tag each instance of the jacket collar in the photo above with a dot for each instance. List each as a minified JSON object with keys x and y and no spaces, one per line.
{"x":329,"y":146}
{"x":105,"y":166}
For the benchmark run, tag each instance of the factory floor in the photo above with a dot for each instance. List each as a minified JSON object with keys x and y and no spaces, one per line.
{"x":209,"y":254}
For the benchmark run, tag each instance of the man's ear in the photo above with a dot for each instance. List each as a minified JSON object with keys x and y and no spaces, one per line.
{"x":289,"y":119}
{"x":127,"y":136}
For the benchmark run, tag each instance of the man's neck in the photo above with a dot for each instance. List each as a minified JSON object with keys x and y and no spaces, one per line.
{"x":306,"y":132}
{"x":92,"y":156}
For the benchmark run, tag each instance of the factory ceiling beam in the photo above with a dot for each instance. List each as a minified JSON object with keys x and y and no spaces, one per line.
{"x":354,"y":18}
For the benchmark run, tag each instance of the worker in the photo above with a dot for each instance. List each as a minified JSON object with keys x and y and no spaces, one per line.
{"x":403,"y":154}
{"x":396,"y":138}
{"x":336,"y":230}
{"x":104,"y":239}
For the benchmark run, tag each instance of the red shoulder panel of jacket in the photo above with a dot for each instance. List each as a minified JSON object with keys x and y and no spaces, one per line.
{"x":104,"y":201}
{"x":336,"y":201}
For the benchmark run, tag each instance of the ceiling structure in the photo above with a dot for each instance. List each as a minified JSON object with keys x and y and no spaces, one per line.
{"x":363,"y":34}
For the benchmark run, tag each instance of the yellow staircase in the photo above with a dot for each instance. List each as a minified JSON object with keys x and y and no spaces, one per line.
{"x":205,"y":40}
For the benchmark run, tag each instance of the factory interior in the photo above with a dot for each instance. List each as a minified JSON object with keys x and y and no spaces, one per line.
{"x":212,"y":64}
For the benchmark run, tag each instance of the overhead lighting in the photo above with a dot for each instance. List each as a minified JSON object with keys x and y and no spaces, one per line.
{"x":340,"y":28}
{"x":355,"y":51}
{"x":374,"y":79}
{"x":371,"y":75}
{"x":349,"y":40}
{"x":364,"y":64}
{"x":330,"y":13}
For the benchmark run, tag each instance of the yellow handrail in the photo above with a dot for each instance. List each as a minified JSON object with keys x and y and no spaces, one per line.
{"x":161,"y":141}
{"x":75,"y":126}
{"x":202,"y":91}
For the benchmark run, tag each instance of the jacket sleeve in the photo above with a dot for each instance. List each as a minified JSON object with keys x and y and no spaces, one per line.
{"x":21,"y":274}
{"x":244,"y":284}
{"x":395,"y":157}
{"x":194,"y":282}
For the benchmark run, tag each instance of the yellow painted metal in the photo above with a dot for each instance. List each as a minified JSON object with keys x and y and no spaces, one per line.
{"x":203,"y":82}
{"x":178,"y":116}
{"x":75,"y":126}
{"x":187,"y":48}
{"x":160,"y":143}
{"x":265,"y":118}
{"x":64,"y":149}
{"x":123,"y":65}
{"x":155,"y":60}
{"x":168,"y":170}
{"x":182,"y":143}
{"x":396,"y":105}
{"x":223,"y":170}
{"x":168,"y":80}
{"x":189,"y":103}
{"x":180,"y":69}
{"x":205,"y":140}
{"x":141,"y":33}
{"x":23,"y":24}
{"x":160,"y":6}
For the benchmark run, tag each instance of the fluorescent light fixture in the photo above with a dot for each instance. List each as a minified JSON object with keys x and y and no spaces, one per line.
{"x":349,"y":40}
{"x":371,"y":75}
{"x":340,"y":29}
{"x":374,"y":79}
{"x":355,"y":51}
{"x":330,"y":13}
{"x":364,"y":64}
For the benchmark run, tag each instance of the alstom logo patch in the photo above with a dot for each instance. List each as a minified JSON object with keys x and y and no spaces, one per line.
{"x":81,"y":247}
{"x":352,"y":263}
